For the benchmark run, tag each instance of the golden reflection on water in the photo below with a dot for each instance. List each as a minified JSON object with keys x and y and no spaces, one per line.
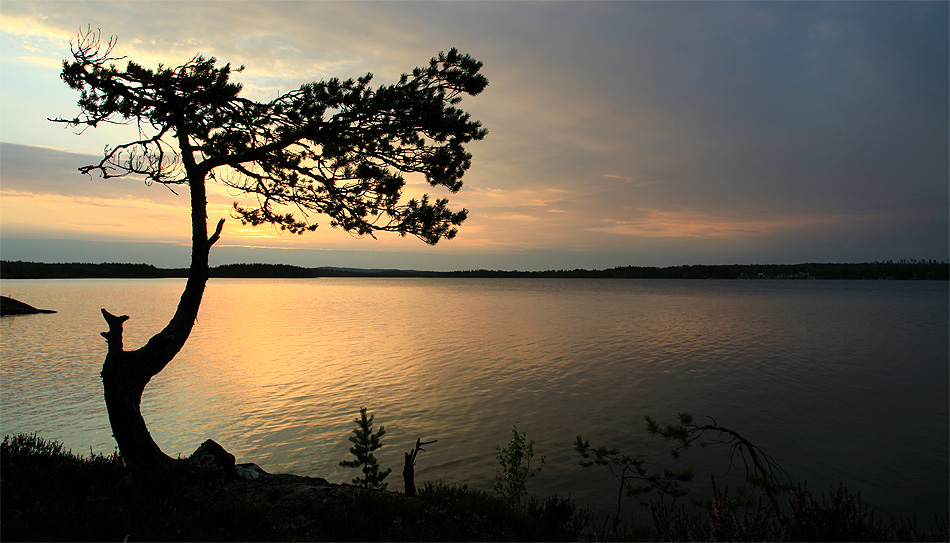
{"x":276,"y":370}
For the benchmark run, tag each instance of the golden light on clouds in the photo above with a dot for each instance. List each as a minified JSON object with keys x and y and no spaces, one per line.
{"x":29,"y":26}
{"x":697,"y":224}
{"x":101,"y":217}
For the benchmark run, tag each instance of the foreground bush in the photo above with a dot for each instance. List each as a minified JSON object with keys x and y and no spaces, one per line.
{"x":47,"y":493}
{"x":54,"y":495}
{"x":837,"y":516}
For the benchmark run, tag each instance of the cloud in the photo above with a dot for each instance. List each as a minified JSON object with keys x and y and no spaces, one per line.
{"x":692,"y":224}
{"x":46,"y":171}
{"x":99,"y":218}
{"x":612,"y":126}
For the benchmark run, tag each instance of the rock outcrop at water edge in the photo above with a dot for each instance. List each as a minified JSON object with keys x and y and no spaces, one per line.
{"x":9,"y":306}
{"x":250,"y":477}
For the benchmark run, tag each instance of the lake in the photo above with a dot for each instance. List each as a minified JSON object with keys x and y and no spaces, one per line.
{"x":837,"y":380}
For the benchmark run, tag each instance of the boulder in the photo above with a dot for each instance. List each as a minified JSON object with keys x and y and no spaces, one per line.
{"x":9,"y":306}
{"x":213,"y":459}
{"x":249,"y":471}
{"x":211,"y":456}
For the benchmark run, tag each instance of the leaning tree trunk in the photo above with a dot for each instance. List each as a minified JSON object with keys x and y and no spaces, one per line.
{"x":125,"y":373}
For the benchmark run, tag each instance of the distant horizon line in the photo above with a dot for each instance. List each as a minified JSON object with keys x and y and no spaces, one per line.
{"x":890,"y":269}
{"x":909,"y":261}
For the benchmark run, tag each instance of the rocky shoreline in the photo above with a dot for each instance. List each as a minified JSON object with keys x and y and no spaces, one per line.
{"x":282,"y":493}
{"x":9,"y":306}
{"x":211,"y":456}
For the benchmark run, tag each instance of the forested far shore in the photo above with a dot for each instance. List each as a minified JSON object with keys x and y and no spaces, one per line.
{"x":895,"y":270}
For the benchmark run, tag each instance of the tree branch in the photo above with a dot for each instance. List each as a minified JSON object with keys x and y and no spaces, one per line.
{"x":114,"y":335}
{"x":217,"y":233}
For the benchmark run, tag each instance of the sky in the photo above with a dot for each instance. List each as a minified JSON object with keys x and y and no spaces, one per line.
{"x":620,"y":133}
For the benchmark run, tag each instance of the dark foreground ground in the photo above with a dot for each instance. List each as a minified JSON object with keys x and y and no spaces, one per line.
{"x":52,"y":495}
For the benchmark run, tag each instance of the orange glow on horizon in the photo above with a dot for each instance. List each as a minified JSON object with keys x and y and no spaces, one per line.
{"x":109,"y":217}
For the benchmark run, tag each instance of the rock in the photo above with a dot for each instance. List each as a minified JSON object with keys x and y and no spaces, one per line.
{"x":210,"y":455}
{"x":288,"y":478}
{"x":249,"y":471}
{"x":282,"y":487}
{"x":9,"y":306}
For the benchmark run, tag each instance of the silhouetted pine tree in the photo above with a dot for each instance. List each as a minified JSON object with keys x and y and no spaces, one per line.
{"x":364,"y":443}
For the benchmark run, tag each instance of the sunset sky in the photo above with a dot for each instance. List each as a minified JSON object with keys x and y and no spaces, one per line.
{"x":620,"y":133}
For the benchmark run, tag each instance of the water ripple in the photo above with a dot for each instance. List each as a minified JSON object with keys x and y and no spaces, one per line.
{"x":276,"y":370}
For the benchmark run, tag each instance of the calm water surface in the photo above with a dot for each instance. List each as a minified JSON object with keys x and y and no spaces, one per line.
{"x":837,"y":380}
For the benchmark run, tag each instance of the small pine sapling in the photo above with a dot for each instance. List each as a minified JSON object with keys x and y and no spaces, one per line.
{"x":365,"y":442}
{"x":631,"y":474}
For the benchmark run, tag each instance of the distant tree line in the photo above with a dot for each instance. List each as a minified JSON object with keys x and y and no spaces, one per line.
{"x":903,"y":270}
{"x":897,"y":270}
{"x":260,"y":270}
{"x":82,"y":270}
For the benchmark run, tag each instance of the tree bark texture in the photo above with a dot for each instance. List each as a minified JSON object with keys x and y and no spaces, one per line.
{"x":126,"y":373}
{"x":409,"y":475}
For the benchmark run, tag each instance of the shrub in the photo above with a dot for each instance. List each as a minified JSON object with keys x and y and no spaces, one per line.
{"x":515,"y":460}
